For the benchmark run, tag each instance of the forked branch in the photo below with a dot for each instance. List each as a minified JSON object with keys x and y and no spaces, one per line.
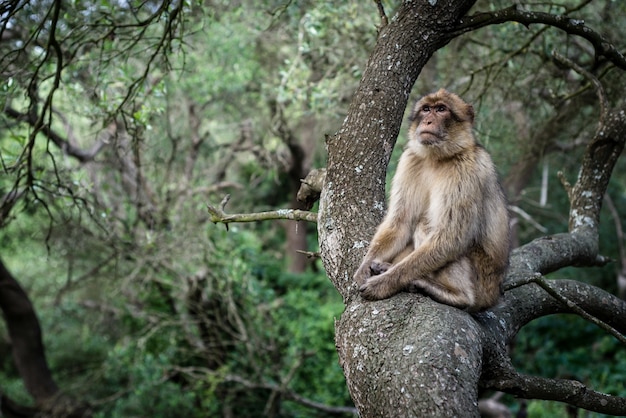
{"x":545,"y":285}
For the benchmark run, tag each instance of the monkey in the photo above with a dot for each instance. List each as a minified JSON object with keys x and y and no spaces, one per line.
{"x":446,"y":231}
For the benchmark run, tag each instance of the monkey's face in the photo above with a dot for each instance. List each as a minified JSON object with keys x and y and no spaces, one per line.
{"x":439,"y":118}
{"x":432,"y":122}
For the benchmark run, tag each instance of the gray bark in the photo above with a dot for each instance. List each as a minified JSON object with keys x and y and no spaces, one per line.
{"x":409,"y":356}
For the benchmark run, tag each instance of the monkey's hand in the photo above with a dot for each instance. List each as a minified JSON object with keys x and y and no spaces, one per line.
{"x":379,"y":287}
{"x":363,"y":272}
{"x":370,"y":268}
{"x":379,"y":267}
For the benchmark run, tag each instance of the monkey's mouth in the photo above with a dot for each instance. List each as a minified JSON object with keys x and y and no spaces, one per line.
{"x":430,"y":137}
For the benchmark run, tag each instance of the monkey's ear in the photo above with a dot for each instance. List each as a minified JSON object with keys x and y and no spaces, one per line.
{"x":413,"y":114}
{"x":469,"y":112}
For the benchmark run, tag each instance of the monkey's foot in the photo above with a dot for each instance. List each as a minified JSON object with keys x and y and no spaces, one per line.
{"x":377,"y":287}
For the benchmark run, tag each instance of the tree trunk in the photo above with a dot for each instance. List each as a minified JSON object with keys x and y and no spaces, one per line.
{"x":30,"y":358}
{"x":406,"y":356}
{"x":409,"y":356}
{"x":25,"y":334}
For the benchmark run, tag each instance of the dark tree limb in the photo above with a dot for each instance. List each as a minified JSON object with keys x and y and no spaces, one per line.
{"x":30,"y":358}
{"x":570,"y":25}
{"x":528,"y":302}
{"x":26,"y":341}
{"x":7,"y":203}
{"x":572,"y":306}
{"x":571,"y":392}
{"x":65,"y":145}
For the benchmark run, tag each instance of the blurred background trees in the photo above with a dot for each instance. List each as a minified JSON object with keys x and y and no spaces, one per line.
{"x":121,"y":121}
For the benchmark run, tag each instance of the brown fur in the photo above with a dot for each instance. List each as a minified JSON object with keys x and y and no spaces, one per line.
{"x":446,"y":232}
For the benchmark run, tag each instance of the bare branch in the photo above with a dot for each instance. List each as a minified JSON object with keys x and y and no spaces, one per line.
{"x":492,"y":407}
{"x":7,"y":202}
{"x":64,"y":144}
{"x":597,"y":85}
{"x":521,"y":212}
{"x":572,"y":26}
{"x":566,"y":185}
{"x":569,"y":391}
{"x":288,"y":394}
{"x":311,"y":187}
{"x":218,"y":214}
{"x":383,"y":17}
{"x":309,"y":254}
{"x":529,"y":301}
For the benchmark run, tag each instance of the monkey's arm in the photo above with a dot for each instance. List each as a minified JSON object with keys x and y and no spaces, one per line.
{"x":455,"y":219}
{"x":390,"y":239}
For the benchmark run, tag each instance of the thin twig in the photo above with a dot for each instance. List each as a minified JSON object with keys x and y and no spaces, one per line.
{"x":219,"y":216}
{"x":383,"y":16}
{"x":538,"y":278}
{"x":310,"y":254}
{"x":604,"y":102}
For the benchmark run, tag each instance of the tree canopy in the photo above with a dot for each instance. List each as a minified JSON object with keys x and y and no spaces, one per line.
{"x":128,"y":289}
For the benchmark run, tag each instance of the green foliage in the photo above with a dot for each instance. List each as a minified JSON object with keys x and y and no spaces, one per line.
{"x":567,"y":354}
{"x":117,"y":272}
{"x":150,"y":392}
{"x":149,"y":310}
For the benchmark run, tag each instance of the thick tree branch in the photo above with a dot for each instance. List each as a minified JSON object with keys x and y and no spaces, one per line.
{"x":550,"y":253}
{"x":571,"y":392}
{"x":528,"y":302}
{"x":596,"y":169}
{"x":219,"y":216}
{"x":565,"y":301}
{"x":570,"y":25}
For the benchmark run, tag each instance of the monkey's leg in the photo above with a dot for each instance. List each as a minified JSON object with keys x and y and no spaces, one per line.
{"x":453,"y":285}
{"x":490,"y":272}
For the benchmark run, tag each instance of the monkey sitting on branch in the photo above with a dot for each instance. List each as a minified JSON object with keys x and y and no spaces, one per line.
{"x":446,"y":231}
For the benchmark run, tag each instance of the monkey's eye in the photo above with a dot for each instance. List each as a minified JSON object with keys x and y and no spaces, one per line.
{"x":440,"y":108}
{"x":426,"y":108}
